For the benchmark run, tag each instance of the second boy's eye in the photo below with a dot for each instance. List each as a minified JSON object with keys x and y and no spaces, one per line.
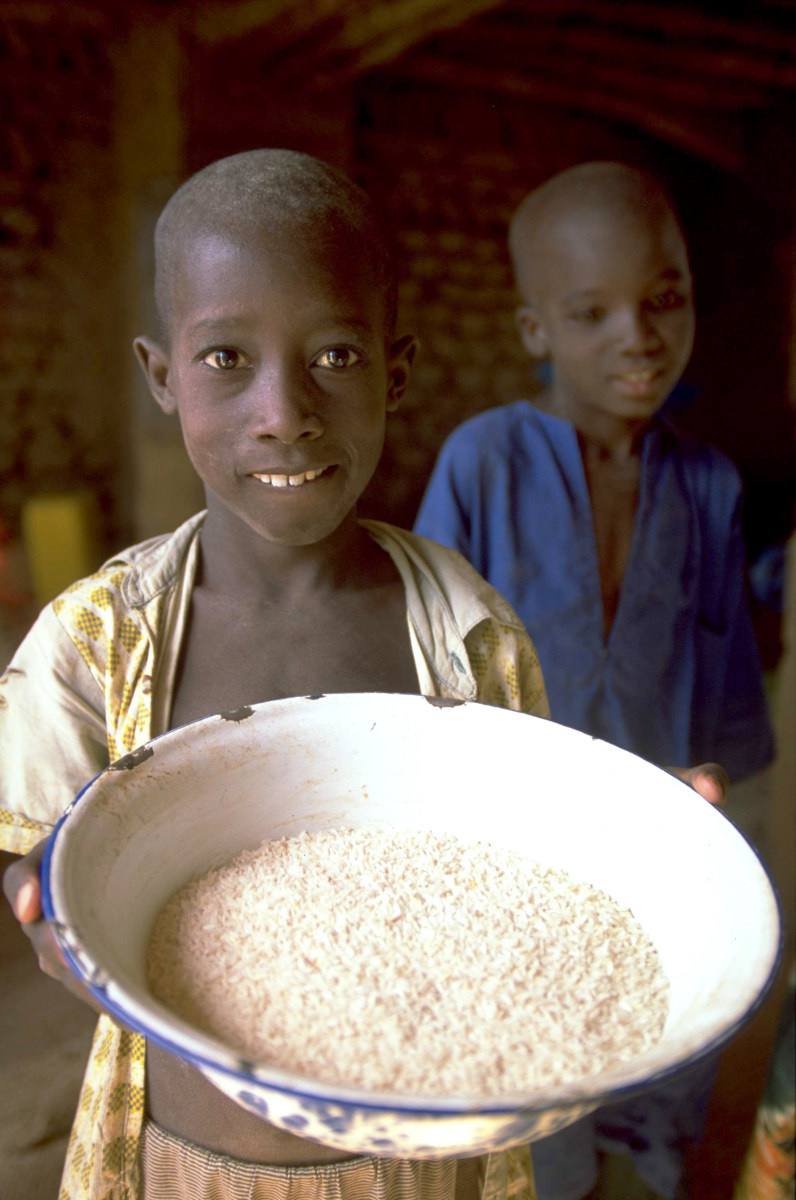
{"x":588,"y":316}
{"x":662,"y":301}
{"x":224,"y":359}
{"x":338,"y":357}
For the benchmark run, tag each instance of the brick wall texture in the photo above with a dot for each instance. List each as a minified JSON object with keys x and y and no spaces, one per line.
{"x":445,"y":167}
{"x":58,"y":357}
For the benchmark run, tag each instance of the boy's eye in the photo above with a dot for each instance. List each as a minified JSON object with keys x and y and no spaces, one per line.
{"x":338,"y":357}
{"x":588,"y":316}
{"x":662,"y":301}
{"x":224,"y":359}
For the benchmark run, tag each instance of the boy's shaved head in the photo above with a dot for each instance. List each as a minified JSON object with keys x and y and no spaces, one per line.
{"x":582,"y":191}
{"x":261,"y":191}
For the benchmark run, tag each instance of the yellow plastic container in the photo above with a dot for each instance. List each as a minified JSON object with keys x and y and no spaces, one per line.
{"x":60,"y":535}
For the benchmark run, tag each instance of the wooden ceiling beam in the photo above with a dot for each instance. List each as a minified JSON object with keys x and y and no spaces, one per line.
{"x":672,"y":88}
{"x":334,"y":26}
{"x":709,"y":138}
{"x":337,"y":48}
{"x":678,"y":21}
{"x":373,"y":42}
{"x":747,"y":65}
{"x":86,"y":15}
{"x":215,"y":23}
{"x":325,"y":43}
{"x":772,"y":70}
{"x":226,"y":21}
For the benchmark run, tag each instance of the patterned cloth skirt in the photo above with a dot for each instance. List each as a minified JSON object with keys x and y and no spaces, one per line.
{"x":174,"y":1169}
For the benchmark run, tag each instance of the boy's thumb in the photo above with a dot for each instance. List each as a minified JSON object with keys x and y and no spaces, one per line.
{"x":27,"y":902}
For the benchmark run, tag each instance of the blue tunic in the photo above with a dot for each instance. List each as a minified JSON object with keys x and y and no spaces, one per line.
{"x":678,"y":679}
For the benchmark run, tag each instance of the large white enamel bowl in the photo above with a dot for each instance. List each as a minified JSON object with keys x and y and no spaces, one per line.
{"x":198,"y":795}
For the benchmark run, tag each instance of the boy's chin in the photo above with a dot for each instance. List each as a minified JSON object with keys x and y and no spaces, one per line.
{"x":609,"y":403}
{"x":631,"y":408}
{"x":637,"y":399}
{"x":311,"y":533}
{"x":636,"y":411}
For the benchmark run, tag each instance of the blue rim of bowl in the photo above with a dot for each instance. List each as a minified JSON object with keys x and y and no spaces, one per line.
{"x":249,"y":1072}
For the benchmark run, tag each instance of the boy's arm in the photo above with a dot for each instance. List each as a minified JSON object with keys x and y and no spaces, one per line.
{"x":742,"y":738}
{"x":745,"y":738}
{"x":52,"y":741}
{"x":52,"y":733}
{"x":23,"y":892}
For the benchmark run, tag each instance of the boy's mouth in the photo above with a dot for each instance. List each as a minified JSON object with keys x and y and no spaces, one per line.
{"x":638,"y":383}
{"x":278,"y":480}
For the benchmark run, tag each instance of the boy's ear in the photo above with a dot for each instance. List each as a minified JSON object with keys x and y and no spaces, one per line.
{"x":401,"y":356}
{"x":154,"y":362}
{"x":532,"y":333}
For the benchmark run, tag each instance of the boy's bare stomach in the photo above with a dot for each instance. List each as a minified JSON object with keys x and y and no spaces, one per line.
{"x":182,"y":1101}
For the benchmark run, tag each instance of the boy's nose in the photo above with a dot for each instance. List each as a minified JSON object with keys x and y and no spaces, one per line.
{"x":284,"y":409}
{"x":638,"y":332}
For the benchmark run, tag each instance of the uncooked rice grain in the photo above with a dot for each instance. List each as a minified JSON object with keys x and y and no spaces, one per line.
{"x":410,"y":962}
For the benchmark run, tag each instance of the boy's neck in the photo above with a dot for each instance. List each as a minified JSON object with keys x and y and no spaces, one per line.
{"x":616,"y":437}
{"x":237,"y":562}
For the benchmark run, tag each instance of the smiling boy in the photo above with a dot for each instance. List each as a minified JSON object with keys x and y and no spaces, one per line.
{"x":278,"y":353}
{"x":281,"y":363}
{"x":614,"y":537}
{"x":618,"y":542}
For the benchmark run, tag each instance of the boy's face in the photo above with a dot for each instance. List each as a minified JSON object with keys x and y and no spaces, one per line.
{"x":280,"y":369}
{"x":613,"y":312}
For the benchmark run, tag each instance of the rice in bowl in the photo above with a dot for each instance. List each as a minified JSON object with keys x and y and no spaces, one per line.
{"x":414,"y":962}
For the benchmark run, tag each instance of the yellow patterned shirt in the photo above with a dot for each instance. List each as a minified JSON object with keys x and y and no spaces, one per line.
{"x":94,"y":679}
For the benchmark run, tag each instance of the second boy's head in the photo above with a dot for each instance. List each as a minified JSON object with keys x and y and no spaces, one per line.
{"x":603,"y":272}
{"x":276,"y":302}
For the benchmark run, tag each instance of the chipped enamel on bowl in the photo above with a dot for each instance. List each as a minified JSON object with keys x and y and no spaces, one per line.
{"x":196,"y":796}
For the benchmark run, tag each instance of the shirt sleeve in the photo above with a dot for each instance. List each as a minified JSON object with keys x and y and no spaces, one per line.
{"x":506,"y":668}
{"x":52,"y":733}
{"x":741,"y":738}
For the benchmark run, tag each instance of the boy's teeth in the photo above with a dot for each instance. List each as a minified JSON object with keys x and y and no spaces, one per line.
{"x":281,"y":481}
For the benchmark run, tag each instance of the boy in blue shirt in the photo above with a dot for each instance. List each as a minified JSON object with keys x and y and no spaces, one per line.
{"x":615,"y":538}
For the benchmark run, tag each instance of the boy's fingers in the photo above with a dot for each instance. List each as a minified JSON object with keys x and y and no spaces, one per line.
{"x":710,"y":780}
{"x":21,"y":886}
{"x":52,"y":962}
{"x":50,"y":956}
{"x":23,"y":892}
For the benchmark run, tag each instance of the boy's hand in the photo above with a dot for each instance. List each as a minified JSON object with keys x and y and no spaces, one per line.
{"x":709,"y":779}
{"x":23,"y":892}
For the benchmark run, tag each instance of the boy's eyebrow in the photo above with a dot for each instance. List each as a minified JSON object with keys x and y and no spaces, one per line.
{"x":671,"y":273}
{"x":582,"y":294}
{"x":212,"y":325}
{"x":667,"y":275}
{"x":217,"y":325}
